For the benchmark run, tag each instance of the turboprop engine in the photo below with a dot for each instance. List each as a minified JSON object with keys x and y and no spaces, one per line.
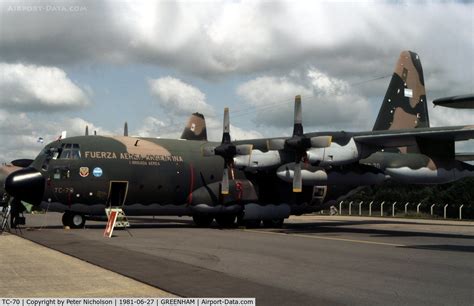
{"x":258,"y":160}
{"x":335,"y":154}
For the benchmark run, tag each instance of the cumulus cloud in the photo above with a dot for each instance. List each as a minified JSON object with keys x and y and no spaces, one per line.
{"x":38,"y":88}
{"x":20,"y":133}
{"x":178,"y":100}
{"x":177,"y":97}
{"x":154,"y":127}
{"x":327,"y":102}
{"x":211,"y":39}
{"x":442,"y":116}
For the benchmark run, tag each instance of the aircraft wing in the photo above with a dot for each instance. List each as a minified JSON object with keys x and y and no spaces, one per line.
{"x":400,"y":138}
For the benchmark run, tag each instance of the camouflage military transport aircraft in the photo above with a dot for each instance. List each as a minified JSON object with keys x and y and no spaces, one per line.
{"x":252,"y":180}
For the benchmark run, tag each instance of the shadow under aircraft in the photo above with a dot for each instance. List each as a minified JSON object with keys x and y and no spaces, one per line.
{"x":250,"y":180}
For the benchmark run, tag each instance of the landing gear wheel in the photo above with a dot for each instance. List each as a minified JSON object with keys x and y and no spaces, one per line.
{"x":273,"y":223}
{"x":73,"y":220}
{"x":226,"y":220}
{"x":202,"y":220}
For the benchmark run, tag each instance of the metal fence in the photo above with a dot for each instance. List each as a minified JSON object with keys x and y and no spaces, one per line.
{"x":393,"y":209}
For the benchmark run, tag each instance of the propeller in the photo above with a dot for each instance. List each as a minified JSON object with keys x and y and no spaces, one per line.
{"x":299,"y":144}
{"x":227,"y":150}
{"x":125,"y":129}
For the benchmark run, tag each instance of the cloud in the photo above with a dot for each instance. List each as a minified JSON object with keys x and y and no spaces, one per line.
{"x":350,"y":40}
{"x":38,"y":88}
{"x":327,"y":102}
{"x":20,"y":132}
{"x":177,"y":97}
{"x":214,"y":131}
{"x":179,"y":100}
{"x":442,"y":116}
{"x":153,"y":127}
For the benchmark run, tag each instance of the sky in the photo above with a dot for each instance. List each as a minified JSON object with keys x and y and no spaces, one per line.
{"x":67,"y":64}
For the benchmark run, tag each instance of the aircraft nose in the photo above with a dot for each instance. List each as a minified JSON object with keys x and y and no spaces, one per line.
{"x":26,"y":185}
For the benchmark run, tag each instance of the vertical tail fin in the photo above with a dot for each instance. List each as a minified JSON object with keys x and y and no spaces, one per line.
{"x":195,"y":128}
{"x":404,"y":105}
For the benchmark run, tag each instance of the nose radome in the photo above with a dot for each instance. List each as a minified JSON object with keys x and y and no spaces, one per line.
{"x":26,"y":185}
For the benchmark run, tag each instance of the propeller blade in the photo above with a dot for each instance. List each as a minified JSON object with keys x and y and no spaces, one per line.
{"x":225,"y":180}
{"x":226,"y":130}
{"x":298,"y":122}
{"x":244,"y":149}
{"x":297,"y":180}
{"x":321,"y":141}
{"x":125,"y":129}
{"x":275,"y":144}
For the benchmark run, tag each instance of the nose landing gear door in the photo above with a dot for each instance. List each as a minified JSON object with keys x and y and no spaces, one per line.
{"x":117,"y":193}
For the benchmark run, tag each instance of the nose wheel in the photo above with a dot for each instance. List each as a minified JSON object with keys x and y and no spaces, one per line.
{"x":73,"y":220}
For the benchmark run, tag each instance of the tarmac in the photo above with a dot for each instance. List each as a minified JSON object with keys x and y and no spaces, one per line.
{"x":312,"y":260}
{"x":31,"y":270}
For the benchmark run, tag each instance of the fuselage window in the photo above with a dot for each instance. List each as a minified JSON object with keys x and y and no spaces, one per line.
{"x":70,"y":151}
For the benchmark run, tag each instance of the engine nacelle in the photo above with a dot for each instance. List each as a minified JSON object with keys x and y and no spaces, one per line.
{"x":335,"y":154}
{"x":319,"y":176}
{"x":258,"y":160}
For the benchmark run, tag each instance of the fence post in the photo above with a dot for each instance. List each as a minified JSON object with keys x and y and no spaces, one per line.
{"x":418,"y":208}
{"x":460,"y":212}
{"x":432,"y":208}
{"x":340,"y":208}
{"x":360,"y":208}
{"x":393,"y":209}
{"x":350,"y":208}
{"x":370,"y":208}
{"x":406,"y":208}
{"x":381,"y":209}
{"x":444,"y":209}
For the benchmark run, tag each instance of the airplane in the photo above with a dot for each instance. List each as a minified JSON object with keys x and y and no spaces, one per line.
{"x":250,"y":180}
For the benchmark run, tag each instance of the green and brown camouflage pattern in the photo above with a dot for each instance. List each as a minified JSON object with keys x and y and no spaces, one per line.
{"x":174,"y":177}
{"x":404,"y":105}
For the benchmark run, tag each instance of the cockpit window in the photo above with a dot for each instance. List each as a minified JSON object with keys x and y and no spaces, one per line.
{"x":70,"y":151}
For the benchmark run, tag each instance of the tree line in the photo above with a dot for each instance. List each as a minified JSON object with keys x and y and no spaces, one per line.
{"x":453,"y":194}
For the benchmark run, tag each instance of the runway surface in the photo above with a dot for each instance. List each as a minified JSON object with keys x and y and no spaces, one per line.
{"x":313,"y":260}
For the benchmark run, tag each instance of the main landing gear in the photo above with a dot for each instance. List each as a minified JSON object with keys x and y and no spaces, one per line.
{"x":73,"y":220}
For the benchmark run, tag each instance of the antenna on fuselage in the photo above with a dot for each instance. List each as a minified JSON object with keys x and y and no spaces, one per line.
{"x":95,"y":133}
{"x":87,"y":130}
{"x":125,"y":129}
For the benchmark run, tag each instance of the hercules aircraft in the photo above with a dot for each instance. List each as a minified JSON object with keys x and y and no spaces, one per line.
{"x":254,"y":179}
